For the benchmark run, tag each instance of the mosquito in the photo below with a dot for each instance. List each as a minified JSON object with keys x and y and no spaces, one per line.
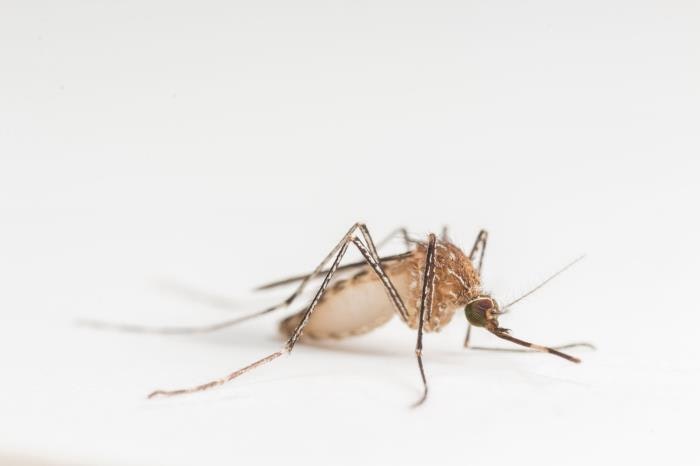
{"x":424,"y":286}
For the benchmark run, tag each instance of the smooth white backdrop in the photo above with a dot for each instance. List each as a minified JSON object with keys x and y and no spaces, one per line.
{"x":160,"y":159}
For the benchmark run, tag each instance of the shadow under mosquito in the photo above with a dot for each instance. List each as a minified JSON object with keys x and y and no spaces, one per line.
{"x":198,"y":296}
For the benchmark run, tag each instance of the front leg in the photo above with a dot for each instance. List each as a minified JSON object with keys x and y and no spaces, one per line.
{"x":426,"y":305}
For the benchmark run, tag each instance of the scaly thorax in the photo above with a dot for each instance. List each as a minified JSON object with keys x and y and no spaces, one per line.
{"x":456,"y":282}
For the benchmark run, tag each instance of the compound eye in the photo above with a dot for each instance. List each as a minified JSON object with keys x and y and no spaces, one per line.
{"x":476,"y":311}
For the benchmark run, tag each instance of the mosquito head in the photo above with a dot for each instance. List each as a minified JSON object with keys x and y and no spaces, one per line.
{"x":483,"y":311}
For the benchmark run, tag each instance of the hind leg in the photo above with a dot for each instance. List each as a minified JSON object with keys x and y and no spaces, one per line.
{"x":369,"y":254}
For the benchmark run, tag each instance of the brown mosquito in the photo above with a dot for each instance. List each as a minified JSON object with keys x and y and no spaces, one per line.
{"x":423,"y":286}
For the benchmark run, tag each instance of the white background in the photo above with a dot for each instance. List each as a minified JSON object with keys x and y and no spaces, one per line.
{"x":160,"y":159}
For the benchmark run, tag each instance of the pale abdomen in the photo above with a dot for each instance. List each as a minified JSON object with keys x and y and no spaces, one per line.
{"x":350,"y":307}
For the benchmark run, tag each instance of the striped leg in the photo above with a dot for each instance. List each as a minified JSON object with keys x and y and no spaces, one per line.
{"x":426,"y":304}
{"x":518,"y":350}
{"x":407,"y":240}
{"x":479,"y":245}
{"x":296,"y":334}
{"x":502,"y":333}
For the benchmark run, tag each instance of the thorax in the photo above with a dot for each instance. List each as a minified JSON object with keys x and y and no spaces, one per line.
{"x":456,"y":282}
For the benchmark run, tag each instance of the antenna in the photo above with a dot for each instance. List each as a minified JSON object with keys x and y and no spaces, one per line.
{"x":562,"y":270}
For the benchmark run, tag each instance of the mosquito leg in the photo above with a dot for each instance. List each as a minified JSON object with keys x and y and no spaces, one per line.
{"x":287,"y":348}
{"x":376,"y":267}
{"x":216,"y":383}
{"x":370,"y":242}
{"x":227,"y":323}
{"x":386,"y":282}
{"x":581,"y":344}
{"x":468,"y":336}
{"x":544,"y":349}
{"x":444,"y":236}
{"x":426,"y":302}
{"x":389,"y":287}
{"x":371,"y":257}
{"x":479,"y":244}
{"x":408,"y":241}
{"x":296,"y":334}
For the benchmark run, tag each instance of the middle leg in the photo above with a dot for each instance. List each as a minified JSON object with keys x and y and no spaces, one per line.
{"x":426,"y":305}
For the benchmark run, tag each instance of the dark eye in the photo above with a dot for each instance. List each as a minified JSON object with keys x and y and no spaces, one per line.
{"x":476,"y":311}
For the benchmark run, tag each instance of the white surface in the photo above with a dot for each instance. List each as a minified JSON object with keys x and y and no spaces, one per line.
{"x":155,"y":154}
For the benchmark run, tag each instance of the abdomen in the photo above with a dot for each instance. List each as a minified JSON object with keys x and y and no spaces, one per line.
{"x":350,"y":307}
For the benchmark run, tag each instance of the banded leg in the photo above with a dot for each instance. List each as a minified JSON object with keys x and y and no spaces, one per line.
{"x":479,"y":244}
{"x":408,"y":241}
{"x":230,"y":322}
{"x":426,"y":303}
{"x":296,"y":334}
{"x":502,"y":333}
